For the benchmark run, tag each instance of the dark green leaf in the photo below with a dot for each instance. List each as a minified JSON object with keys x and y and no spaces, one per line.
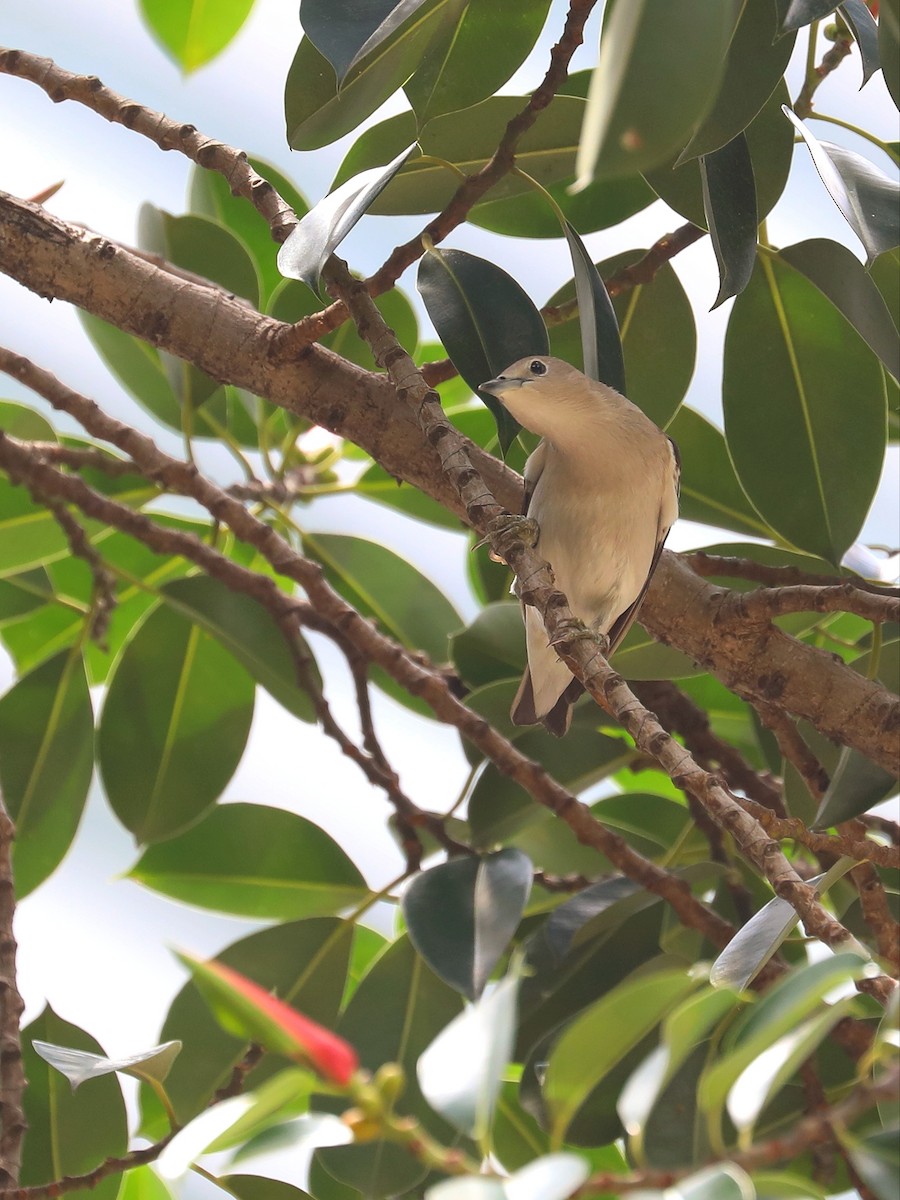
{"x":493,"y":646}
{"x":729,"y":203}
{"x":840,"y":276}
{"x":602,"y":204}
{"x":303,"y":962}
{"x":467,"y":140}
{"x":174,"y":725}
{"x":658,"y":338}
{"x":809,"y":461}
{"x":804,"y":12}
{"x":257,"y":1187}
{"x":754,"y":66}
{"x":859,"y":18}
{"x":889,"y":46}
{"x":257,"y":861}
{"x":398,"y":314}
{"x":710,"y":491}
{"x":478,"y":48}
{"x":868,"y":200}
{"x":642,"y":657}
{"x":877,"y":1162}
{"x":310,"y":244}
{"x":340,"y":30}
{"x":317,"y":111}
{"x":246,"y":629}
{"x":600,"y":341}
{"x":857,"y":784}
{"x":377,"y":484}
{"x":385,"y":586}
{"x":485,"y":320}
{"x":210,"y":196}
{"x":46,"y":763}
{"x":202,"y":246}
{"x":462,"y":914}
{"x":396,"y":1012}
{"x":771,"y":148}
{"x":193,"y":32}
{"x":138,"y":367}
{"x":69,"y":1134}
{"x":644,"y":101}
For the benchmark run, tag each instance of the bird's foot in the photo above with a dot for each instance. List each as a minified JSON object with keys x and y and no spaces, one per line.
{"x":504,"y":533}
{"x":573,"y":630}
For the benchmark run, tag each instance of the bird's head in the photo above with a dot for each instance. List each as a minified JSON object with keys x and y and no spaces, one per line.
{"x":542,"y":393}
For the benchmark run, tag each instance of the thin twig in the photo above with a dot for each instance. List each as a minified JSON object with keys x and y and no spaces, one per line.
{"x":12,"y":1076}
{"x":725,"y":567}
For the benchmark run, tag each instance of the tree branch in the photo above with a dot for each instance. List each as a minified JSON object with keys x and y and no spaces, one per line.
{"x":12,"y":1075}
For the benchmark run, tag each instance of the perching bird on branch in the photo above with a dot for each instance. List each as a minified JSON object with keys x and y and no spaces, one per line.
{"x":602,"y":487}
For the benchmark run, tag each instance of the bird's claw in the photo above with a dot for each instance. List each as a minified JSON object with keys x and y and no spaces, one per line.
{"x":577,"y":631}
{"x":504,"y":532}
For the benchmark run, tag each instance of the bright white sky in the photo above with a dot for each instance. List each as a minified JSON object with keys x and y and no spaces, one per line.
{"x":90,"y":944}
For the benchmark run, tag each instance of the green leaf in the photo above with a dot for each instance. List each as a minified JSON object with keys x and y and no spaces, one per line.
{"x":398,"y":314}
{"x":138,"y":367}
{"x":724,"y":1181}
{"x":202,"y":246}
{"x":479,"y":47}
{"x":839,"y":275}
{"x":771,"y":147}
{"x":729,"y":202}
{"x":600,"y":341}
{"x":394,"y":1015}
{"x":602,"y":204}
{"x":310,"y":244}
{"x":710,"y":490}
{"x":79,"y":1065}
{"x":868,"y":200}
{"x":141,"y":1183}
{"x":256,"y":861}
{"x":641,"y":657}
{"x":461,"y":1072}
{"x":248,"y":631}
{"x":753,"y":68}
{"x":193,"y":32}
{"x":341,"y":30}
{"x":318,"y":110}
{"x":468,"y":141}
{"x":656,"y":326}
{"x":256,"y":1187}
{"x":889,"y":46}
{"x":876,"y":1161}
{"x":381,"y":584}
{"x":20,"y":421}
{"x":304,"y":962}
{"x":633,"y":1010}
{"x":21,"y":594}
{"x":809,"y":462}
{"x":857,"y":784}
{"x":68,"y":1134}
{"x":379,"y":485}
{"x":865,"y":32}
{"x":485,"y":320}
{"x":644,"y":101}
{"x":462,"y":914}
{"x":492,"y":647}
{"x":175,"y":722}
{"x":210,"y":196}
{"x":46,"y":763}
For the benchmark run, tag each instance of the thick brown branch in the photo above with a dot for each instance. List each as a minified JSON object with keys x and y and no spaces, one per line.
{"x":12,"y":1076}
{"x":765,"y":603}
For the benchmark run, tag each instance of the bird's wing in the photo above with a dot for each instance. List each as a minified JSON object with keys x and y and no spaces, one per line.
{"x":667,"y":514}
{"x":533,"y":470}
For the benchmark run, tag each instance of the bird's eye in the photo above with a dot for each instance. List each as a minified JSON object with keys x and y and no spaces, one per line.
{"x":537,"y":367}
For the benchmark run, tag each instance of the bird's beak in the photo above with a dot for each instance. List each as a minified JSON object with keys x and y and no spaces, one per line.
{"x":504,"y":383}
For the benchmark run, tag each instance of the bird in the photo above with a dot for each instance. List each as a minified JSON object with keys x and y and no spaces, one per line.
{"x":602,"y":486}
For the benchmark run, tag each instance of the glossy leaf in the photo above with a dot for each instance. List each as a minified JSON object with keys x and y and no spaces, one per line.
{"x":710,"y":490}
{"x":193,"y":32}
{"x":303,"y":962}
{"x":142,"y":1183}
{"x":174,"y":725}
{"x":853,"y":290}
{"x":723,"y":1181}
{"x":394,"y":1015}
{"x":809,"y":462}
{"x":600,"y":341}
{"x":889,"y":46}
{"x":202,"y":246}
{"x":857,"y":784}
{"x":341,"y":31}
{"x":602,"y":204}
{"x":729,"y":202}
{"x":758,"y":939}
{"x":66,"y":1135}
{"x":656,"y":328}
{"x":381,"y":584}
{"x":755,"y":64}
{"x":468,"y":141}
{"x":550,"y":1177}
{"x":46,"y":763}
{"x":803,"y":12}
{"x":249,"y":633}
{"x":865,"y":32}
{"x":462,"y":914}
{"x":485,"y":320}
{"x":868,"y":200}
{"x":628,"y":126}
{"x":478,"y":48}
{"x":79,"y":1065}
{"x":633,"y":1009}
{"x":318,"y":110}
{"x":311,"y":243}
{"x":210,"y":196}
{"x":492,"y":647}
{"x":461,"y":1071}
{"x":256,"y":1187}
{"x":256,"y":861}
{"x":195,"y":1139}
{"x":771,"y":147}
